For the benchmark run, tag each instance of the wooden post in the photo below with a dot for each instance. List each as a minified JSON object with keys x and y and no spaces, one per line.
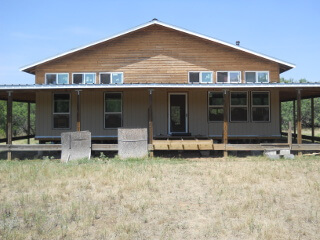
{"x":225,"y":121}
{"x":78,"y":111}
{"x":29,"y":123}
{"x":9,"y":123}
{"x":299,"y":127}
{"x":290,"y":135}
{"x":150,"y":121}
{"x":312,"y":119}
{"x":294,"y":120}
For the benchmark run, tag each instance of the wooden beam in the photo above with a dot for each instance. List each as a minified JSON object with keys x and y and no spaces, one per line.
{"x":299,"y":126}
{"x":78,"y":111}
{"x":294,"y":119}
{"x":9,"y":123}
{"x":225,"y":120}
{"x":290,"y":135}
{"x":29,"y":122}
{"x":312,"y":119}
{"x":150,"y":121}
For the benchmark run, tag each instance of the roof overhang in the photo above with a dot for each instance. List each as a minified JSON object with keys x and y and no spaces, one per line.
{"x":283,"y":66}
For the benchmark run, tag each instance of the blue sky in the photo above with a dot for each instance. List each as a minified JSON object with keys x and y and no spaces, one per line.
{"x":34,"y":30}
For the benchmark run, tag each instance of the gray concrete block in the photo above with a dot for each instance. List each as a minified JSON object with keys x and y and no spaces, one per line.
{"x":288,"y":156}
{"x":132,"y":142}
{"x":270,"y":152}
{"x":285,"y":152}
{"x":273,"y":157}
{"x":75,"y":145}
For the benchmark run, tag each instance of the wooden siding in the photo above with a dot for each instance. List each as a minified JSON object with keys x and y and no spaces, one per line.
{"x":157,"y":55}
{"x":135,"y":110}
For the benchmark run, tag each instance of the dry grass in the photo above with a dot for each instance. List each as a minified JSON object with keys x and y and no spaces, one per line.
{"x":251,"y":198}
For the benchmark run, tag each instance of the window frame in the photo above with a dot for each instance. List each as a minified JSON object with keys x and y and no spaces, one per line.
{"x":256,"y":80}
{"x":200,"y":77}
{"x":83,"y":79}
{"x":45,"y":77}
{"x":269,"y":106}
{"x":69,"y":113}
{"x":230,"y":106}
{"x":240,"y":79}
{"x":104,"y":110}
{"x":216,"y":106}
{"x":111,"y":77}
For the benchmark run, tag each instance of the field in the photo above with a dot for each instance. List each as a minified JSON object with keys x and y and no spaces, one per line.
{"x":238,"y":198}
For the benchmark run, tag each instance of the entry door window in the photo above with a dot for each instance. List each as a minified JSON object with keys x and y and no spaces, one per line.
{"x":178,"y":114}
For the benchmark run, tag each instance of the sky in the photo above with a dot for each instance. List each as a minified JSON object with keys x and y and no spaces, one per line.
{"x":33,"y":30}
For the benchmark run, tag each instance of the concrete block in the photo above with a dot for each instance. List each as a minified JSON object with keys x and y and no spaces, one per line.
{"x":75,"y":145}
{"x":288,"y":156}
{"x":285,"y":152}
{"x":270,"y":152}
{"x":132,"y":142}
{"x":273,"y":157}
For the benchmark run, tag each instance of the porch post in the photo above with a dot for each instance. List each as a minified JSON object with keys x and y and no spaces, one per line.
{"x":78,"y":111}
{"x":294,"y":120}
{"x":29,"y":124}
{"x":299,"y":119}
{"x":225,"y":120}
{"x":9,"y":123}
{"x":150,"y":121}
{"x":312,"y":119}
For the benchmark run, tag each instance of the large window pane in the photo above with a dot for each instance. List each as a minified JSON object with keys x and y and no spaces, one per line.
{"x":77,"y":78}
{"x":222,"y":77}
{"x":194,"y":77}
{"x":263,"y":77}
{"x":117,"y":78}
{"x":61,"y":103}
{"x":215,"y":114}
{"x":260,"y":98}
{"x":238,"y":98}
{"x":215,"y":98}
{"x":234,"y":77}
{"x":239,"y":114}
{"x":250,"y":77}
{"x":61,"y":121}
{"x":113,"y":102}
{"x":51,"y":78}
{"x":260,"y":114}
{"x":63,"y":78}
{"x":112,"y":120}
{"x":206,"y":77}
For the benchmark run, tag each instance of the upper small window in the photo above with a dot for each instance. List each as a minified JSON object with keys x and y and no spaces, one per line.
{"x":111,"y":78}
{"x":200,"y":77}
{"x":84,"y":78}
{"x":228,"y":77}
{"x":257,"y":77}
{"x":57,"y":78}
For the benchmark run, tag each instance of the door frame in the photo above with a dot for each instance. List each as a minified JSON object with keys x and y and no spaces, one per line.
{"x":186,"y":110}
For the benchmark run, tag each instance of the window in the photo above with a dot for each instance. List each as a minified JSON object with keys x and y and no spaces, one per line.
{"x":200,"y":77}
{"x":84,"y":78}
{"x":260,"y":106}
{"x":111,"y":78}
{"x":57,"y":78}
{"x":228,"y":77}
{"x":215,"y":105}
{"x":238,"y":107}
{"x":61,"y":111}
{"x":112,"y":110}
{"x":257,"y":77}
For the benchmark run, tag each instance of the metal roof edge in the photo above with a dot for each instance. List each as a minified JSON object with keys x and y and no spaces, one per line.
{"x":165,"y":25}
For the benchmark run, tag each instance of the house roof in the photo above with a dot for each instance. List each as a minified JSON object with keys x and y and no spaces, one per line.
{"x":284,"y":66}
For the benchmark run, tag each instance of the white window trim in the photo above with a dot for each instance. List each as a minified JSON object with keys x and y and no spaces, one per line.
{"x":66,"y":113}
{"x":111,"y":77}
{"x":83,"y":73}
{"x":245,"y":76}
{"x":200,"y":76}
{"x":231,"y":106}
{"x":45,"y":77}
{"x":268,"y":106}
{"x":228,"y":76}
{"x":104,"y":110}
{"x":218,"y":106}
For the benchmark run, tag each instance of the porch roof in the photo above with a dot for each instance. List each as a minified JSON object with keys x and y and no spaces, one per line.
{"x":26,"y":93}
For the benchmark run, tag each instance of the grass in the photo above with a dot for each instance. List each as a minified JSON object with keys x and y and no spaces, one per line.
{"x":248,"y":198}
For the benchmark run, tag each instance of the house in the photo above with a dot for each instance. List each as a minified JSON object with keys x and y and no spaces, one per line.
{"x":177,"y":83}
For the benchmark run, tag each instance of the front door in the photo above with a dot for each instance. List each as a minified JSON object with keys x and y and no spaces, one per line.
{"x":178,"y":114}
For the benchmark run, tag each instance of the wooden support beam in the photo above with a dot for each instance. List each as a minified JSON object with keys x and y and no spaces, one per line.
{"x":9,"y":123}
{"x":294,"y":119}
{"x":150,"y":121}
{"x":290,"y":135}
{"x":312,"y":119}
{"x":225,"y":120}
{"x":78,"y":111}
{"x":29,"y":122}
{"x":299,"y":126}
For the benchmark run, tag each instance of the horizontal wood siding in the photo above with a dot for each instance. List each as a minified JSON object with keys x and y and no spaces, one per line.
{"x":157,"y":55}
{"x":135,"y":110}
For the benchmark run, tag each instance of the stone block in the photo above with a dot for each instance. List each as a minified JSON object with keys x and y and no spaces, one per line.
{"x":75,"y":145}
{"x":132,"y":142}
{"x":288,"y":156}
{"x":285,"y":152}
